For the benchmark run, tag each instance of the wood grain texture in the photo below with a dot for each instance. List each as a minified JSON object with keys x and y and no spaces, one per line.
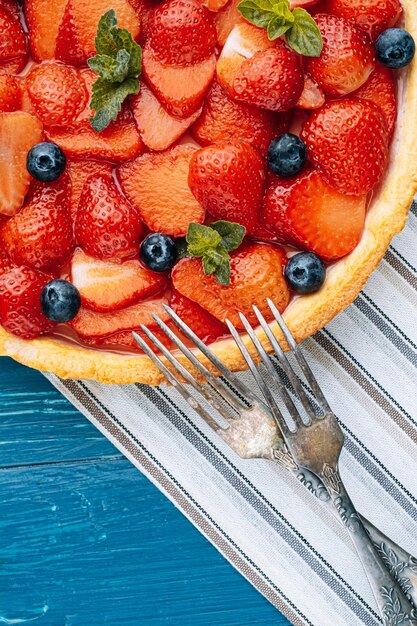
{"x":86,"y":540}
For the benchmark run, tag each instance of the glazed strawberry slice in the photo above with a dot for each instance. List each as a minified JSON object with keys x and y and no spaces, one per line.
{"x":106,"y":226}
{"x":347,"y":140}
{"x":373,"y":16}
{"x":12,"y":6}
{"x":158,"y":129}
{"x":380,"y":89}
{"x":5,"y":262}
{"x":259,"y":72}
{"x":347,"y":58}
{"x":19,"y":132}
{"x":205,"y":326}
{"x":312,"y":96}
{"x":13,"y":43}
{"x":309,"y":214}
{"x":57,"y":92}
{"x":40,"y":235}
{"x":68,"y":46}
{"x":78,"y":173}
{"x":227,"y":19}
{"x":228,"y":179}
{"x":180,"y":88}
{"x":214,"y":5}
{"x":20,"y":303}
{"x":256,"y":274}
{"x":182,"y":32}
{"x":93,"y":325}
{"x":43,"y":18}
{"x":224,"y":119}
{"x":157,"y":186}
{"x":108,"y":286}
{"x":125,"y":339}
{"x":10,"y":93}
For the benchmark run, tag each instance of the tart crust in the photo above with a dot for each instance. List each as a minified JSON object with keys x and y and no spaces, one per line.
{"x":305,"y":315}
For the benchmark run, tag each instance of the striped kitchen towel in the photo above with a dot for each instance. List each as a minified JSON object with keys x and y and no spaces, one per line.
{"x":259,"y":516}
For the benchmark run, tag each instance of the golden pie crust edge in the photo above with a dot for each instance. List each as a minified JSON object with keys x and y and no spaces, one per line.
{"x":305,"y":315}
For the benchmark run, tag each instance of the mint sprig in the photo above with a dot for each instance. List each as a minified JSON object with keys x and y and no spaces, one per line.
{"x":298,"y":27}
{"x":212,"y":245}
{"x":118,"y":63}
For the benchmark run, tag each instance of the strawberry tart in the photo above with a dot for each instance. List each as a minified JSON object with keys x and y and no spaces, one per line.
{"x":206,"y":154}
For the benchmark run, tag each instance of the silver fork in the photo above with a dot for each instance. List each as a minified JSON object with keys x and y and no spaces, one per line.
{"x":247,"y":424}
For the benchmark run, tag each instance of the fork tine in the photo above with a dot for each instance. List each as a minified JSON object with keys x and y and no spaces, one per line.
{"x":295,"y":348}
{"x":179,"y":386}
{"x":276,"y":413}
{"x":292,"y":409}
{"x":226,"y":373}
{"x":286,"y":365}
{"x":216,"y":383}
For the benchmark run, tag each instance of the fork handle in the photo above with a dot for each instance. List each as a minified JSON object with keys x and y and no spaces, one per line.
{"x":395,"y":608}
{"x":401,"y":565}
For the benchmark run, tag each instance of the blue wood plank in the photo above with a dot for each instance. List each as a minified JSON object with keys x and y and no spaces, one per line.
{"x":92,"y":542}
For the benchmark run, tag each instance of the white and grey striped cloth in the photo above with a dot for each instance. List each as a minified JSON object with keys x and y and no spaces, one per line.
{"x":264,"y":522}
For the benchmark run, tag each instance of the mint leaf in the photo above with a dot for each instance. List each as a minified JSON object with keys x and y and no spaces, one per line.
{"x":231,"y":233}
{"x":107,"y":99}
{"x":201,"y":239}
{"x":212,"y":245}
{"x":118,"y":63}
{"x":275,"y":16}
{"x":304,"y":35}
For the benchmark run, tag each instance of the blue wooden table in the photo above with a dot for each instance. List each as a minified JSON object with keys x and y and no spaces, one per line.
{"x":86,"y":540}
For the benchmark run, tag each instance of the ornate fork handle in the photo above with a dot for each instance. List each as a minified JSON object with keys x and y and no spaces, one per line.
{"x":395,"y":607}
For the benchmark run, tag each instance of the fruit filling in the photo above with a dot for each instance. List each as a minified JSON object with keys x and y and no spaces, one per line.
{"x":206,"y":154}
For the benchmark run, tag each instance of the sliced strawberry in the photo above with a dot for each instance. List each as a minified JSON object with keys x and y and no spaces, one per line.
{"x":68,"y":47}
{"x":181,"y":32}
{"x":124,"y":339}
{"x":256,"y":274}
{"x":180,"y":89}
{"x":13,"y":42}
{"x":14,"y":66}
{"x":91,"y":324}
{"x":108,"y":286}
{"x":347,"y":58}
{"x":19,"y":132}
{"x":43,"y":18}
{"x":205,"y":326}
{"x":20,"y":302}
{"x":380,"y":89}
{"x":6,"y":263}
{"x":144,"y":9}
{"x":57,"y":92}
{"x":373,"y":16}
{"x":214,"y":5}
{"x":40,"y":235}
{"x":228,"y":181}
{"x":106,"y":226}
{"x":347,"y":140}
{"x":120,"y":141}
{"x":12,"y":6}
{"x":157,"y":186}
{"x":227,"y":19}
{"x":78,"y":172}
{"x":10,"y":93}
{"x":259,"y":72}
{"x":306,"y":212}
{"x":158,"y":129}
{"x":224,"y":119}
{"x":301,"y":3}
{"x":312,"y":96}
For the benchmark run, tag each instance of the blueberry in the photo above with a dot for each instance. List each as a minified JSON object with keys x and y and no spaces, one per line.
{"x":395,"y":48}
{"x":46,"y":161}
{"x":60,"y":300}
{"x":305,"y":272}
{"x":287,"y":155}
{"x":158,"y":252}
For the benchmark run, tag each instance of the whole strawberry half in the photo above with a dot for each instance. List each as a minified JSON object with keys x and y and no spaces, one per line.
{"x":57,"y":92}
{"x":182,"y":32}
{"x":347,"y":58}
{"x":256,"y":273}
{"x":306,"y":212}
{"x":20,"y":303}
{"x":106,"y":226}
{"x":271,"y":79}
{"x":347,"y":140}
{"x":373,"y":16}
{"x":227,"y":179}
{"x":40,"y":235}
